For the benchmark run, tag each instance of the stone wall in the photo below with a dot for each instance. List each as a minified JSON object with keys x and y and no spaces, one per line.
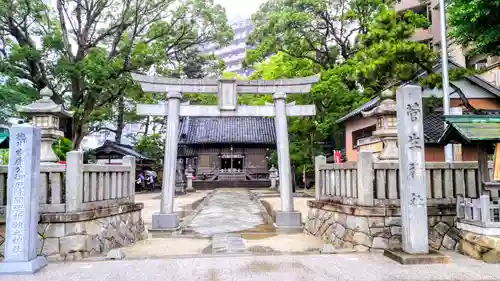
{"x":73,"y":236}
{"x":480,"y":247}
{"x":376,"y":228}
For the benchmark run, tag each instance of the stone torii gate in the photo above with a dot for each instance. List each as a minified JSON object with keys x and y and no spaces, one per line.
{"x":227,"y":90}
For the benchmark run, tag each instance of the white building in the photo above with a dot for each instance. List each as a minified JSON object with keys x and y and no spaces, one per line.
{"x":96,"y":140}
{"x":234,"y":53}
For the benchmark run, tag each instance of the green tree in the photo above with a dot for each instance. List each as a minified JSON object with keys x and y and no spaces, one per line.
{"x":12,"y":94}
{"x":4,"y":156}
{"x":152,"y":146}
{"x":322,"y":31}
{"x":61,"y":147}
{"x":476,"y":24}
{"x":359,"y":47}
{"x":88,"y":48}
{"x":305,"y":132}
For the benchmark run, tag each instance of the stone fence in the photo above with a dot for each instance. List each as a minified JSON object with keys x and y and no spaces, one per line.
{"x":80,"y":187}
{"x":357,"y":206}
{"x":369,"y":183}
{"x":84,"y":208}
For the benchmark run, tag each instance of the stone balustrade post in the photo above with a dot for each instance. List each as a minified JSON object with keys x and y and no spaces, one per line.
{"x":74,"y":181}
{"x":130,"y":161}
{"x":366,"y":175}
{"x":318,"y":161}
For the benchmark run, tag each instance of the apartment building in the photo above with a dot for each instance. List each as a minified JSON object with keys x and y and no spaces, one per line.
{"x":97,"y":139}
{"x":431,"y":35}
{"x":234,"y":53}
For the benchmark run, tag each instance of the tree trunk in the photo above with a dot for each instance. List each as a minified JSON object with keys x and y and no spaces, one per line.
{"x":120,"y":123}
{"x":146,"y":128}
{"x":78,"y":135}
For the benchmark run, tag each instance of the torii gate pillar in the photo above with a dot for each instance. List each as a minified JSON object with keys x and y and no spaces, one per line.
{"x":228,"y":89}
{"x":287,"y":217}
{"x":167,"y":218}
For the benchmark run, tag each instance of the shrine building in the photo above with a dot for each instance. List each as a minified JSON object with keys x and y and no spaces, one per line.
{"x":227,"y":151}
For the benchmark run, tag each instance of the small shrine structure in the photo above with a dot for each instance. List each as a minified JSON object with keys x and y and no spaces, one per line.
{"x":479,"y":215}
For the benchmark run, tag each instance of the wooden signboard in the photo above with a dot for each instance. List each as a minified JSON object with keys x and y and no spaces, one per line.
{"x":496,"y":163}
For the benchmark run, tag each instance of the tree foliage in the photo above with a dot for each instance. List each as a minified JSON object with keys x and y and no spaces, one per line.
{"x":196,"y":65}
{"x":4,"y":156}
{"x":12,"y":94}
{"x":84,"y":50}
{"x":152,"y":146}
{"x":476,"y":24}
{"x":360,"y":47}
{"x":61,"y":147}
{"x":321,"y":31}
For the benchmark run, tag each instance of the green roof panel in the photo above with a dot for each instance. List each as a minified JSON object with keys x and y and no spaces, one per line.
{"x":4,"y":140}
{"x":471,"y":128}
{"x":479,"y":131}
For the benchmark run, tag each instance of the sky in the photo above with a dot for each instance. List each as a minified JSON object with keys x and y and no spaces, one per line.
{"x":236,"y":9}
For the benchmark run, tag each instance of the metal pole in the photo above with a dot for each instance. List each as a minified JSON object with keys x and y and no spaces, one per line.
{"x":448,"y":150}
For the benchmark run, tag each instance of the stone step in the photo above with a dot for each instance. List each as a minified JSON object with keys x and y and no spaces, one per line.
{"x":227,"y":243}
{"x":231,"y":184}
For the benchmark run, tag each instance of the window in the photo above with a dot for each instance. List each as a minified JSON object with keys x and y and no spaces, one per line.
{"x":363,"y":133}
{"x":429,"y":43}
{"x":480,"y":64}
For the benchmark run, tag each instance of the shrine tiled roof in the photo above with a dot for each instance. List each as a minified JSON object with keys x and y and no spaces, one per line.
{"x":111,"y":147}
{"x":365,"y":107}
{"x":433,"y":126}
{"x":227,"y":130}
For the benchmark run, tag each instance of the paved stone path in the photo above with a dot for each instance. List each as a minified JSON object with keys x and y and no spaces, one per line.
{"x":227,"y":211}
{"x":358,"y":267}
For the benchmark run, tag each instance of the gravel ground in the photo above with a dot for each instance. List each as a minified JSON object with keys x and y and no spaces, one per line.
{"x":152,"y":203}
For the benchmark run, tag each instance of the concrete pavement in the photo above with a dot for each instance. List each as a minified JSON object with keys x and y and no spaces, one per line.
{"x":362,"y":267}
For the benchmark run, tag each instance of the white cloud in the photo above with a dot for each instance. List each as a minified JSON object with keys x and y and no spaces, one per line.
{"x":240,"y":9}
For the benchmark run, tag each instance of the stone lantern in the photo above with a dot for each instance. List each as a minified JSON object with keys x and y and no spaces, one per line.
{"x":189,"y":178}
{"x":386,"y":128}
{"x":273,"y":175}
{"x":45,"y":114}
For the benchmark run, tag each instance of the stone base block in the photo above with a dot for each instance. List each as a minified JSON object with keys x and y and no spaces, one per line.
{"x":469,"y":226}
{"x":433,"y":257}
{"x":289,"y":222}
{"x":165,"y":221}
{"x":19,"y":268}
